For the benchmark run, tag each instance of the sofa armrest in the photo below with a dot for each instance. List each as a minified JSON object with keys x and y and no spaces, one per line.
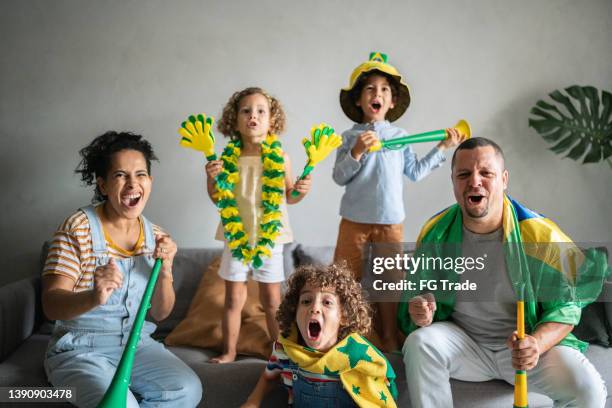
{"x":20,"y":313}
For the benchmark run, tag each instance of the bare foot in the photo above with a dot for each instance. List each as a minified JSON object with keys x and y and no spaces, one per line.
{"x":223,"y":358}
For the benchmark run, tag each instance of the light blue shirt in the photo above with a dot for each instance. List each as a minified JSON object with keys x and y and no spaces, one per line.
{"x":374,"y":184}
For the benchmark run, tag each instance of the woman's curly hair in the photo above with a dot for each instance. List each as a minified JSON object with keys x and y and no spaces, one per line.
{"x":96,"y":157}
{"x":227,"y":124}
{"x":355,"y":310}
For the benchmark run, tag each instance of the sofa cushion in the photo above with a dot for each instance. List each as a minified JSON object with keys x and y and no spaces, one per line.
{"x":20,"y":313}
{"x":202,"y":325}
{"x":308,"y":255}
{"x":25,"y":366}
{"x":596,"y":321}
{"x":187,"y":272}
{"x":288,"y":261}
{"x":228,"y":385}
{"x":592,"y":327}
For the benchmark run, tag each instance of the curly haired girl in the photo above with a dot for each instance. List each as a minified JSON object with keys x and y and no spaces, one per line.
{"x":322,"y":356}
{"x":255,"y":222}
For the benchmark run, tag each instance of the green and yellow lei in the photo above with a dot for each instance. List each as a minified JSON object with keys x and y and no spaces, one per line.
{"x":272,"y":190}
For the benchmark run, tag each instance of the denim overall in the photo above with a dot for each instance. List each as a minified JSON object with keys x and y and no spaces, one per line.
{"x":83,"y":352}
{"x":315,"y":394}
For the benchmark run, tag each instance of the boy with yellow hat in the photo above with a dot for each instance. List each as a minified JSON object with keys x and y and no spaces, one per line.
{"x":372,"y":207}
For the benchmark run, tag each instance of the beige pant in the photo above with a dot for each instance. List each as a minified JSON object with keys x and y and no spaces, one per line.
{"x":438,"y":352}
{"x":352,"y":237}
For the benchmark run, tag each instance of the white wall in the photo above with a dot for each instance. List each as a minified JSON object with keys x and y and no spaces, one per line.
{"x":69,"y":70}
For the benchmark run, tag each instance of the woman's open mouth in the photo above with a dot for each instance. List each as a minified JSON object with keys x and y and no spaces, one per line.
{"x":131,"y":200}
{"x":314,"y":330}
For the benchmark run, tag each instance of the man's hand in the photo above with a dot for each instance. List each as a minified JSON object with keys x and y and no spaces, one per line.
{"x":363,"y":144}
{"x":421,"y":309}
{"x":107,"y":278}
{"x":525,"y":352}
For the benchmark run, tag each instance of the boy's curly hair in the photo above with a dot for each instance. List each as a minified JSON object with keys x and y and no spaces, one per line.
{"x":227,"y":123}
{"x":356,"y":315}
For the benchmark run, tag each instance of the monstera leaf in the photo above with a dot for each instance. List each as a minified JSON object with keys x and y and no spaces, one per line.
{"x":578,"y":122}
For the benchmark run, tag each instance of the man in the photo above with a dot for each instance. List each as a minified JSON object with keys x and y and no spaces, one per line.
{"x":476,"y":341}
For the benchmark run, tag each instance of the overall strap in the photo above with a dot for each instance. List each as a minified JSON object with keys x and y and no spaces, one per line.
{"x":149,"y":241}
{"x":97,"y":233}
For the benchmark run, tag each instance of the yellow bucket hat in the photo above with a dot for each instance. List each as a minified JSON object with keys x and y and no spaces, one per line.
{"x":377,"y":62}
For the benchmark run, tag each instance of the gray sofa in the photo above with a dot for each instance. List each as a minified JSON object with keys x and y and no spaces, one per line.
{"x":24,"y":335}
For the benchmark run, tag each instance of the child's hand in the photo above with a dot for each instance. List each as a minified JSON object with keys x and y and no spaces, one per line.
{"x":453,"y":139}
{"x":363,"y":144}
{"x":213,"y":168}
{"x":302,"y":186}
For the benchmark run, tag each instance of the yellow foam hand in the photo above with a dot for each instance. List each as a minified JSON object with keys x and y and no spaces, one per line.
{"x":323,"y":141}
{"x":197,"y":134}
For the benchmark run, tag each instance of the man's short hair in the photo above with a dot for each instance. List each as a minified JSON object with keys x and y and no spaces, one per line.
{"x":475,"y":142}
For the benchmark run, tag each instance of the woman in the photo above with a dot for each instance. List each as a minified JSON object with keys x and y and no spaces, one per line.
{"x":94,"y":278}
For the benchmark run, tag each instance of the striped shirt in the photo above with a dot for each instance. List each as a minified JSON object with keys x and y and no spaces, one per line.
{"x":280,"y":364}
{"x":71,"y":250}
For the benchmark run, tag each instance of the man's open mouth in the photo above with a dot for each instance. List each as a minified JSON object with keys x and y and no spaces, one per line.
{"x":376,"y":106}
{"x":314,"y":330}
{"x":131,"y":200}
{"x":475,"y":199}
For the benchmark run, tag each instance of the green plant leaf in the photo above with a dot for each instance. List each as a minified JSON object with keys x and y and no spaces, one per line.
{"x":606,"y":100}
{"x":548,"y":106}
{"x":585,"y":113}
{"x":594,"y":155}
{"x":556,"y":135}
{"x":591,"y":94}
{"x":564,"y":144}
{"x":543,"y":114}
{"x":578,"y":150}
{"x":543,"y":126}
{"x":577,"y":121}
{"x":559,"y":97}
